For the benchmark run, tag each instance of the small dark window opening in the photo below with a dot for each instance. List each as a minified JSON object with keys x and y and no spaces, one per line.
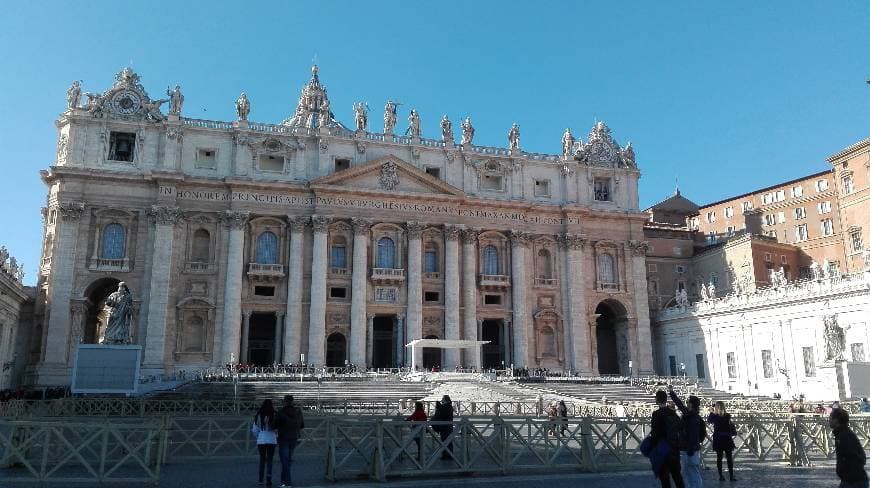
{"x":431,"y":296}
{"x":264,"y":291}
{"x":492,"y":299}
{"x":342,"y":164}
{"x":122,"y":146}
{"x":436,"y":172}
{"x":337,"y":292}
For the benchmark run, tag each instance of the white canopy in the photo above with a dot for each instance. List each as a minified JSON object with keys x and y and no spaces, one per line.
{"x":443,"y":344}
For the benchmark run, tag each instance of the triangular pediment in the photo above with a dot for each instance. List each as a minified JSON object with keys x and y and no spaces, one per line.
{"x":387,"y":174}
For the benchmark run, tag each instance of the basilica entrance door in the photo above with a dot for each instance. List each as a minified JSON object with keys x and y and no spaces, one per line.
{"x":606,"y":342}
{"x":383,"y":342}
{"x":261,"y":339}
{"x":336,"y":350}
{"x":493,"y":353}
{"x":431,"y":356}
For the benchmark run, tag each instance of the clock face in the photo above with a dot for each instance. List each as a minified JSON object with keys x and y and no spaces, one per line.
{"x":126,"y":102}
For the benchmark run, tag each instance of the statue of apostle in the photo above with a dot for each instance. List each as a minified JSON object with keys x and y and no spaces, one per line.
{"x":120,"y":321}
{"x":390,"y":117}
{"x":567,"y":143}
{"x":74,"y":95}
{"x":176,"y":100}
{"x":446,"y":129}
{"x":243,"y":107}
{"x":514,"y":137}
{"x":467,"y":131}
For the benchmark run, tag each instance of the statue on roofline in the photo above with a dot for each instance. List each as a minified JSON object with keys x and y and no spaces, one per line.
{"x":390,"y":116}
{"x":176,"y":100}
{"x":74,"y":94}
{"x":446,"y":129}
{"x":243,"y":107}
{"x":413,"y":124}
{"x":467,"y":131}
{"x":567,"y":143}
{"x":514,"y":137}
{"x":361,"y":115}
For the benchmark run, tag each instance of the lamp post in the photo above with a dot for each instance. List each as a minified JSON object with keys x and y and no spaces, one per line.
{"x":683,"y":369}
{"x":630,"y":364}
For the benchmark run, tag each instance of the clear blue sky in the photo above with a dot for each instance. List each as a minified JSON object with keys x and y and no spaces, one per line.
{"x":730,"y":96}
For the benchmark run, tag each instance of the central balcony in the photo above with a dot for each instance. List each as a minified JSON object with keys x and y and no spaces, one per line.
{"x":265,"y":272}
{"x":493,"y":282}
{"x":388,"y":275}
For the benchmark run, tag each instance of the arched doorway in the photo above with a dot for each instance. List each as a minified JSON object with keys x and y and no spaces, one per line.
{"x":493,"y":353}
{"x":610,"y":337}
{"x":336,"y":350}
{"x":431,"y":356}
{"x":96,"y":313}
{"x":383,"y":342}
{"x":261,"y":339}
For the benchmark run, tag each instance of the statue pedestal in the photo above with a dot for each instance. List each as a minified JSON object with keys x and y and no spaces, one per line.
{"x":106,"y":368}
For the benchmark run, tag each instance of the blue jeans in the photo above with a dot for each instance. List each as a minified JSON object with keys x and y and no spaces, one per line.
{"x":285,"y":453}
{"x":691,"y":469}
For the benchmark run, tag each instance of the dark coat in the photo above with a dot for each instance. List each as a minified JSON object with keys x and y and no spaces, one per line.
{"x":443,"y":413}
{"x":289,"y":423}
{"x":692,"y":425}
{"x":723,"y":432}
{"x":850,"y":456}
{"x":663,"y":427}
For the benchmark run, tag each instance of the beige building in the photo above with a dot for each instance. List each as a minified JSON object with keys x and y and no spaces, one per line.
{"x":260,"y":243}
{"x":16,"y":308}
{"x":852,"y":178}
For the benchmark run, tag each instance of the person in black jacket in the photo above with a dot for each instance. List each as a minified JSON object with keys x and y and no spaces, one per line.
{"x":664,"y":428}
{"x":693,"y":433}
{"x":850,"y":454}
{"x":444,"y":413}
{"x":289,"y":424}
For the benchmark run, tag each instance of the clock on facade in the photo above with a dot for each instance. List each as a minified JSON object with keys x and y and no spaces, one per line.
{"x":126,"y":102}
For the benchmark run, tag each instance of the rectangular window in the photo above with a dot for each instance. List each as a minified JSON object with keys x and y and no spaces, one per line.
{"x":264,"y":291}
{"x":677,"y":250}
{"x":492,"y":299}
{"x":337,"y":292}
{"x":800,"y":213}
{"x":711,"y":217}
{"x":542,"y":188}
{"x":809,"y":362}
{"x":848,"y":186}
{"x":797,"y":191}
{"x":732,"y":364}
{"x":699,"y":365}
{"x":767,"y":198}
{"x":268,"y":162}
{"x":122,"y":146}
{"x":769,"y":219}
{"x":672,"y":363}
{"x":767,"y":363}
{"x":821,"y":185}
{"x":434,"y":172}
{"x":855,"y":242}
{"x":783,"y":259}
{"x":430,"y":262}
{"x":824,"y":207}
{"x":800,"y":233}
{"x":780,"y":217}
{"x":711,"y":237}
{"x":827,"y":227}
{"x":768,"y":257}
{"x":730,"y":230}
{"x":780,"y":195}
{"x":747,"y":206}
{"x":205,"y":158}
{"x":431,"y":296}
{"x":693,"y":223}
{"x":491,"y":182}
{"x":858,"y":352}
{"x":729,"y":212}
{"x":601,"y":188}
{"x":341,"y":164}
{"x":338,"y":258}
{"x":652,"y":268}
{"x":680,"y":269}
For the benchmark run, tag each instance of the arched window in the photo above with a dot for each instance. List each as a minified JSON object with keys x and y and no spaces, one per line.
{"x":192,"y":339}
{"x":338,"y":253}
{"x":200,"y":250}
{"x":267,"y":248}
{"x":430,"y":259}
{"x":490,"y":260}
{"x":114,"y":238}
{"x":606,"y":269}
{"x":544,"y":269}
{"x":548,"y":342}
{"x":386,"y":253}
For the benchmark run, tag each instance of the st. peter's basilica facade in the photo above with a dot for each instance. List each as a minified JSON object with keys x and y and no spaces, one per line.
{"x":260,"y":243}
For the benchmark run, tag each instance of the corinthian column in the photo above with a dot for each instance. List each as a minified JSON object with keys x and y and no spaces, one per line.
{"x":451,"y":292}
{"x":519,"y":243}
{"x":60,"y":284}
{"x":414,"y":321}
{"x":231,"y":326}
{"x":643,"y":337}
{"x":161,"y":272}
{"x":317,"y":317}
{"x":359,"y":292}
{"x":469,"y":293}
{"x":575,"y":305}
{"x":293,"y":328}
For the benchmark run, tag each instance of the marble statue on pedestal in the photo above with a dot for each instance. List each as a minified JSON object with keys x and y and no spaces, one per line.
{"x":446,"y":129}
{"x":514,"y":137}
{"x":467,"y":131}
{"x":390,"y":116}
{"x":176,"y":100}
{"x":567,"y":142}
{"x":361,"y":115}
{"x":243,"y":107}
{"x":74,"y":94}
{"x":413,"y":123}
{"x":119,"y":323}
{"x":835,"y":339}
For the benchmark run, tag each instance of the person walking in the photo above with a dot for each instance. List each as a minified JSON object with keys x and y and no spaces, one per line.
{"x":723,"y":438}
{"x":693,"y":433}
{"x":849,"y":452}
{"x":263,"y":429}
{"x":563,"y":417}
{"x":444,"y":413}
{"x":289,"y":424}
{"x":419,"y":415}
{"x":664,"y":435}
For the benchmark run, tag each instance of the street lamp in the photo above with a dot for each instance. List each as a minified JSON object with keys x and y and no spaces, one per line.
{"x":683,"y":369}
{"x":630,"y":364}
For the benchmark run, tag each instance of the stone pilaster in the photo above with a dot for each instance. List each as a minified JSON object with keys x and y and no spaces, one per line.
{"x":643,"y":336}
{"x":469,"y":291}
{"x":279,"y":324}
{"x":575,"y":305}
{"x":246,"y":330}
{"x":414,"y":320}
{"x":164,"y":218}
{"x":317,"y":317}
{"x":519,"y":245}
{"x":293,"y":328}
{"x":232,"y":313}
{"x":451,"y":292}
{"x":359,"y":292}
{"x":60,"y":293}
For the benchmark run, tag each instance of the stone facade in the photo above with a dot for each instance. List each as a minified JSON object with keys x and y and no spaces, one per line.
{"x":16,"y":310}
{"x":260,"y":243}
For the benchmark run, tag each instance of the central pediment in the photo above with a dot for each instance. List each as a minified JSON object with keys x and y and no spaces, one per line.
{"x":388,"y":174}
